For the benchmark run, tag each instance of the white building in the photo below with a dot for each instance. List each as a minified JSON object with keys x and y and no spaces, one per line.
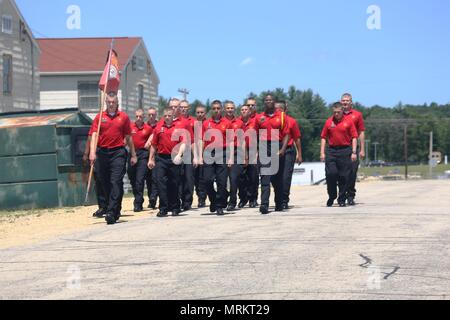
{"x":71,"y":69}
{"x":19,"y":61}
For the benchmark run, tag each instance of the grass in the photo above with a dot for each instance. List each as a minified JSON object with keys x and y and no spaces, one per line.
{"x":422,"y":170}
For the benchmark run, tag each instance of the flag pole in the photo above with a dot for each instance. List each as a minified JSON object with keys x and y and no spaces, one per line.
{"x":102,"y":101}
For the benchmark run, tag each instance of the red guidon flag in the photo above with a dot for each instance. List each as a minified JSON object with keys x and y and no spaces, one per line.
{"x":110,"y":79}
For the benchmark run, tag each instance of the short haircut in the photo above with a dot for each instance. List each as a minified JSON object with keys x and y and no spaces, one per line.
{"x":217,"y":102}
{"x":347,"y":95}
{"x":140,"y":110}
{"x":337,"y":105}
{"x":153,"y":108}
{"x":184,"y":101}
{"x":200,"y":106}
{"x":229,"y":102}
{"x":168,"y":109}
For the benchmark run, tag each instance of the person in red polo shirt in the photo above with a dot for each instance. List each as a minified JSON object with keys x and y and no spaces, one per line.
{"x":249,"y":181}
{"x":199,"y":179}
{"x":187,"y":176}
{"x":293,"y":152}
{"x":213,"y":158}
{"x":342,"y":138}
{"x":273,"y":139}
{"x":166,"y":153}
{"x":235,"y":152}
{"x":358,"y":120}
{"x":150,"y":180}
{"x":137,"y":174}
{"x":111,"y":154}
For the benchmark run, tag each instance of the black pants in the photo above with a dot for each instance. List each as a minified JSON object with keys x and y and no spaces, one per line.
{"x":234,"y":173}
{"x":168,"y":179}
{"x":187,"y":184}
{"x":112,"y":169}
{"x":289,"y":164}
{"x":249,"y":183}
{"x":217,"y":172}
{"x":338,"y":165}
{"x":275,"y":178}
{"x":99,"y":192}
{"x":137,"y":175}
{"x":152,"y":185}
{"x":351,"y":192}
{"x":199,"y":181}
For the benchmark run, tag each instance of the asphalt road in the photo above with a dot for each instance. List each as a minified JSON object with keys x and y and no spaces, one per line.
{"x":393,"y":245}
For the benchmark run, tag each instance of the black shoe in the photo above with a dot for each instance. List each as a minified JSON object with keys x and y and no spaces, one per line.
{"x":264,"y":210}
{"x":330,"y":202}
{"x":176,"y":212}
{"x":253,"y":204}
{"x":152,"y":204}
{"x":201,"y":203}
{"x":99,"y":213}
{"x":110,"y":218}
{"x":138,"y":209}
{"x":220,"y":212}
{"x":342,"y":204}
{"x":242,"y":204}
{"x":285,"y":206}
{"x":279,"y":208}
{"x":351,"y":201}
{"x":231,"y":208}
{"x":187,"y":207}
{"x":212,"y":208}
{"x":161,"y":214}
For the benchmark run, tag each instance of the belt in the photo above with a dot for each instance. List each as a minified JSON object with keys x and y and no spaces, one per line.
{"x":164,"y":156}
{"x":339,"y":147}
{"x":111,"y":150}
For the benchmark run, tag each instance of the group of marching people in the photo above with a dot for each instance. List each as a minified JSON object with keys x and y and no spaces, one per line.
{"x":227,"y":158}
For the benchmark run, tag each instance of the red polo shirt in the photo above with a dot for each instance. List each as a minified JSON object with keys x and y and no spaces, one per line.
{"x":235,"y":124}
{"x":357,"y":118}
{"x":247,"y":127}
{"x":294,"y":130}
{"x":162,"y":139}
{"x":339,"y":134}
{"x":140,"y":135}
{"x":113,"y":130}
{"x":266,"y":124}
{"x":221,"y":125}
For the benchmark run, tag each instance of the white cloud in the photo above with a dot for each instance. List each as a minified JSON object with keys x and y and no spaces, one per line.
{"x":247,"y":61}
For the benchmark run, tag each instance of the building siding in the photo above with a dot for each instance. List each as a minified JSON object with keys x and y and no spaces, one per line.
{"x":61,"y":91}
{"x":25,"y":57}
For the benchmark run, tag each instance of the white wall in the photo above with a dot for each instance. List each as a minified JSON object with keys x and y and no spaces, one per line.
{"x":302,"y":173}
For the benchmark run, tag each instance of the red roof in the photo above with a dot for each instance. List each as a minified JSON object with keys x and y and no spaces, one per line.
{"x":83,"y":54}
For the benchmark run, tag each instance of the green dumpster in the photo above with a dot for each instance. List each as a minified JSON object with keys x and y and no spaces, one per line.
{"x":41,"y":159}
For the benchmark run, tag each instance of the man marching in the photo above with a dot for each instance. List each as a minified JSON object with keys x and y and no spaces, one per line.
{"x":199,"y":178}
{"x":150,"y":180}
{"x":166,"y":153}
{"x":273,"y":140}
{"x":357,"y":118}
{"x":137,"y":174}
{"x":293,"y":152}
{"x":111,"y":154}
{"x":342,"y":137}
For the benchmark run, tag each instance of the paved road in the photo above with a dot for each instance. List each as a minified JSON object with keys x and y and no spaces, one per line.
{"x":394,"y":244}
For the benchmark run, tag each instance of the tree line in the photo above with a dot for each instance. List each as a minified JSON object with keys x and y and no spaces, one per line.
{"x":385,"y":126}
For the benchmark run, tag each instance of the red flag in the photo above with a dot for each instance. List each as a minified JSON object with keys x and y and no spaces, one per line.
{"x":111,"y":77}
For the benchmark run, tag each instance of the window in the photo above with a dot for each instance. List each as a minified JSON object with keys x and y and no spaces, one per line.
{"x":7,"y":74}
{"x":140,"y":96}
{"x":88,"y":95}
{"x":7,"y":24}
{"x":141,"y":64}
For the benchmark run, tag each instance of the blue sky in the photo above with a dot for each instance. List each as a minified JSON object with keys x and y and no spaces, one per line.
{"x":227,"y":49}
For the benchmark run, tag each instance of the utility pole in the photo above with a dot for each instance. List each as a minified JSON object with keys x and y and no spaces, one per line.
{"x":375,"y":144}
{"x":406,"y":151}
{"x":367,"y":153}
{"x":431,"y":155}
{"x":185,"y":93}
